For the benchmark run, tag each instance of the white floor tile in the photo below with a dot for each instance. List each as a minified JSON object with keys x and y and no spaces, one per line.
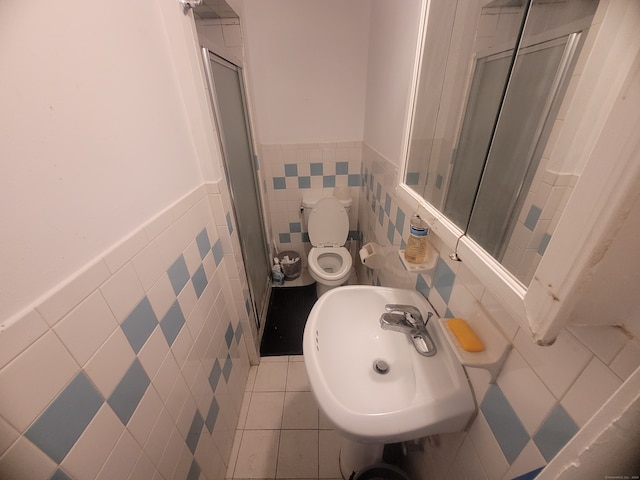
{"x":300,"y":411}
{"x":265,"y":411}
{"x":271,"y":377}
{"x":297,"y":378}
{"x":258,"y":454}
{"x":298,"y":454}
{"x":329,"y":454}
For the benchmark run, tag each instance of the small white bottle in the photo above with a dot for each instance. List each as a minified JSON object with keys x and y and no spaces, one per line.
{"x":276,"y":272}
{"x":416,"y":251}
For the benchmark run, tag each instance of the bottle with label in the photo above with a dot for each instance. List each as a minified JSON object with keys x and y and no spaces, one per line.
{"x":416,"y":251}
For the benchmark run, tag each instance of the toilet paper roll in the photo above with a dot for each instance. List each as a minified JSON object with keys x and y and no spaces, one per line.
{"x":371,"y":255}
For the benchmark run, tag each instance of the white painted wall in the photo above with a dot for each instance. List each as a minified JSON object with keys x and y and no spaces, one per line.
{"x":307,"y":68}
{"x":104,"y":124}
{"x":392,"y":49}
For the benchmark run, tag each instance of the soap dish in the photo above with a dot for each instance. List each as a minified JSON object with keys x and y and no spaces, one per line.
{"x":427,"y":266}
{"x":496,"y":346}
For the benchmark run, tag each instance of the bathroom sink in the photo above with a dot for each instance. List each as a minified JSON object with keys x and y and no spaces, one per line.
{"x":372,"y":383}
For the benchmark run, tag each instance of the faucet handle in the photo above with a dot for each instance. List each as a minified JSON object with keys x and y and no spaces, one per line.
{"x":412,"y":311}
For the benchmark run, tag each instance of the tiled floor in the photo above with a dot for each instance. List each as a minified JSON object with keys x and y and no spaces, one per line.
{"x":281,"y":433}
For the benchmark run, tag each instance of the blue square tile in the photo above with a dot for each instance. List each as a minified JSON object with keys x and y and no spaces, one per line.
{"x":329,"y":181}
{"x":212,"y":415}
{"x":532,"y":217}
{"x":422,"y":286}
{"x":284,"y":237}
{"x":56,"y":431}
{"x":304,"y":182}
{"x":555,"y":432}
{"x":316,"y":169}
{"x":214,"y":375}
{"x":413,"y":178}
{"x":380,"y":215}
{"x":60,"y":475}
{"x":387,"y":204}
{"x":391,"y":230}
{"x":290,"y":170}
{"x":378,"y":191}
{"x":443,"y":280}
{"x":178,"y":274}
{"x":400,"y":220}
{"x":226,"y":369}
{"x":504,"y":423}
{"x":279,"y":183}
{"x":439,"y":182}
{"x":195,"y":430}
{"x":449,"y":314}
{"x":238,"y":333}
{"x":218,"y":252}
{"x":544,"y":243}
{"x":530,"y":475}
{"x":127,"y":395}
{"x":139,"y":324}
{"x":229,"y":223}
{"x":202,"y":240}
{"x":305,"y":237}
{"x":228,"y":335}
{"x":199,"y":280}
{"x":295,"y":227}
{"x":172,"y":323}
{"x":342,"y":168}
{"x":247,"y":306}
{"x":354,"y":180}
{"x":194,"y":471}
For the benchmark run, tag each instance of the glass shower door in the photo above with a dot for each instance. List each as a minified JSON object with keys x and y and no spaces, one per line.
{"x":235,"y":137}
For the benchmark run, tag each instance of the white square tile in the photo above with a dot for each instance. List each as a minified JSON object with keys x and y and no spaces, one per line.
{"x":8,"y":435}
{"x":153,"y":353}
{"x":253,"y":370}
{"x":107,"y":367}
{"x":329,"y":454}
{"x":19,"y":334}
{"x":123,"y":291}
{"x":627,"y":361}
{"x":122,"y":459}
{"x":300,"y":411}
{"x":298,"y":454}
{"x":591,"y":390}
{"x":526,"y":393}
{"x":258,"y":454}
{"x":25,"y":460}
{"x":467,"y":464}
{"x":143,"y":468}
{"x":172,"y":453}
{"x":159,"y":437}
{"x":485,"y":444}
{"x":604,"y":341}
{"x":124,"y":251}
{"x":166,"y":377}
{"x":33,"y":379}
{"x":145,"y":416}
{"x":265,"y":411}
{"x":271,"y":376}
{"x":161,"y":296}
{"x":557,"y":365}
{"x":95,"y":444}
{"x":529,"y":459}
{"x":73,"y":291}
{"x":86,"y":327}
{"x":297,"y":378}
{"x":210,"y":461}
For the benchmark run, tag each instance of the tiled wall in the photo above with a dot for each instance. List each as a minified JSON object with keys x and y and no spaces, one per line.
{"x":290,"y":171}
{"x":136,"y":367}
{"x":542,"y":397}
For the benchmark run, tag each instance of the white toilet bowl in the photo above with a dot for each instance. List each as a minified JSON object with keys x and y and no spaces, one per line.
{"x":329,"y":261}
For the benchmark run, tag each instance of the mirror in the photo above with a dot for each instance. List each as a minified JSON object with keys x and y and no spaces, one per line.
{"x":492,"y":80}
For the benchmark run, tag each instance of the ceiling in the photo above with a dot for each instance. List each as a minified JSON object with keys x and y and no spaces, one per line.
{"x":214,"y":9}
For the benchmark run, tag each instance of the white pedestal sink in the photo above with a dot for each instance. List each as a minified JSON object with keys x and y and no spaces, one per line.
{"x":417,"y":396}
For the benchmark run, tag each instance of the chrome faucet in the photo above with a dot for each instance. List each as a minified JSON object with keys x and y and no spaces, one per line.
{"x":408,"y":319}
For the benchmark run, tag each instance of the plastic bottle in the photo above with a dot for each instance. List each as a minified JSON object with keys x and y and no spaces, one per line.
{"x":276,"y":272}
{"x":416,"y":251}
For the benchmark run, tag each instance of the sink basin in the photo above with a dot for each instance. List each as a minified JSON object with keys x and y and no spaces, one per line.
{"x":411,"y":396}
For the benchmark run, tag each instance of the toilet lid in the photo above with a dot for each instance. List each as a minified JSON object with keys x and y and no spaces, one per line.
{"x":328,"y":223}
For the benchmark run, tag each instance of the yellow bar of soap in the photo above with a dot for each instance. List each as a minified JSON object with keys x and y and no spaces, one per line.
{"x":465,"y":335}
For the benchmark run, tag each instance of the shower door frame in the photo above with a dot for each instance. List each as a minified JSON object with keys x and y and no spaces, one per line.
{"x":208,"y":55}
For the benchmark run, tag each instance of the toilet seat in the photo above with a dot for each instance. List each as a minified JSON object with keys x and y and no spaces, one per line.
{"x":328,"y":232}
{"x":333,"y":278}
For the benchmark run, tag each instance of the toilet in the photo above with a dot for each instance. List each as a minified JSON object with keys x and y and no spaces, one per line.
{"x":328,"y":226}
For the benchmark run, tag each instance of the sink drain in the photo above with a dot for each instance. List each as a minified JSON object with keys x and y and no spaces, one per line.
{"x":381,"y":367}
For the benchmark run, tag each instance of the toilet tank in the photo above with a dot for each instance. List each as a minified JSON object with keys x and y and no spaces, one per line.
{"x":310,"y":199}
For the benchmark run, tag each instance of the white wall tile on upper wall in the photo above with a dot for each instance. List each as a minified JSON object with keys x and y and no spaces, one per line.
{"x":485,"y":444}
{"x":627,"y":361}
{"x":605,"y":342}
{"x":25,"y":460}
{"x":17,"y":336}
{"x":122,"y":291}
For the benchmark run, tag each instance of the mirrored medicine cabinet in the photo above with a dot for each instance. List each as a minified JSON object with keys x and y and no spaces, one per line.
{"x":510,"y":102}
